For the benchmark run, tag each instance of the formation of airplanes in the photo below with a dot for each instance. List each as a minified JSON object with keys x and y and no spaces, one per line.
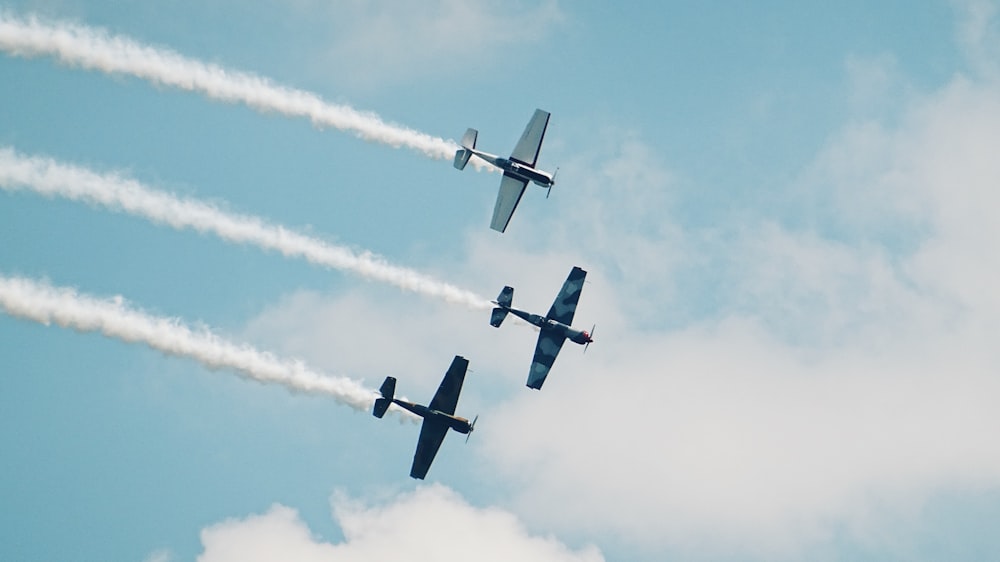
{"x":554,"y":328}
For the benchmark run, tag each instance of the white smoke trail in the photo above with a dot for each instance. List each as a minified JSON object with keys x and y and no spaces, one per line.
{"x":43,"y":303}
{"x":51,"y":178}
{"x":96,"y":49}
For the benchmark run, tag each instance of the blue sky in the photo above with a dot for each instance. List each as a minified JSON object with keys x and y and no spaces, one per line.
{"x":786,"y":210}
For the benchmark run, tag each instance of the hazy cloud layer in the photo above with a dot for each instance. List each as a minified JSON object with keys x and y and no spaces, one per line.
{"x":769,"y":381}
{"x":832,"y":373}
{"x":386,"y":42}
{"x":843,"y":372}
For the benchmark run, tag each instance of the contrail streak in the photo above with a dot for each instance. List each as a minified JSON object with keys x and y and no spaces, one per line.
{"x":96,"y":49}
{"x":43,"y":303}
{"x":50,"y":178}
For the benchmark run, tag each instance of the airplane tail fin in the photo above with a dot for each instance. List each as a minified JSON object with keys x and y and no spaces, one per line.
{"x":388,"y":391}
{"x":503,"y":301}
{"x":468,"y":145}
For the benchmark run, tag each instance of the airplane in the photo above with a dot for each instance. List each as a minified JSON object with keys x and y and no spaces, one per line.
{"x":555,"y":326}
{"x":518,"y":169}
{"x":438,"y":416}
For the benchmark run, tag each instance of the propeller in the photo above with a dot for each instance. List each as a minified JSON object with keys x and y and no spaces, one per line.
{"x":551,"y":183}
{"x":592,"y":330}
{"x":472,"y":427}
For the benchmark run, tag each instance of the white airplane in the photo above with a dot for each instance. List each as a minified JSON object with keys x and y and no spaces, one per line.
{"x":518,"y":170}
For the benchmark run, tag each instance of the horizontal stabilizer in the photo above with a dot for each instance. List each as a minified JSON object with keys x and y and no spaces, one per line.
{"x":388,"y":388}
{"x":381,"y":405}
{"x":506,"y":296}
{"x":462,"y":158}
{"x":498,"y":316}
{"x":469,"y":140}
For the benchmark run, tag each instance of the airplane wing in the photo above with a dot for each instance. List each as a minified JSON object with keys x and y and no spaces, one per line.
{"x":526,"y":151}
{"x":432,"y":433}
{"x":564,"y":306}
{"x":511,"y":190}
{"x":446,"y":397}
{"x":546,"y":350}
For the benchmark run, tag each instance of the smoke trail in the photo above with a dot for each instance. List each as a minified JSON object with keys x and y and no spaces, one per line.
{"x":45,"y":304}
{"x":96,"y":49}
{"x":50,"y":178}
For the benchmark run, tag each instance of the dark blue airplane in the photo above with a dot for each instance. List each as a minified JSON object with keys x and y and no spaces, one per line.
{"x":438,"y":416}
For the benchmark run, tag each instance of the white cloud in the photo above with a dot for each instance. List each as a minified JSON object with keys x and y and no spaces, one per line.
{"x":379,"y":42}
{"x":931,"y":182}
{"x":432,"y":523}
{"x":724,"y":437}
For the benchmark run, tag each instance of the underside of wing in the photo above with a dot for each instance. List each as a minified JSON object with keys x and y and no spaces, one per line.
{"x":564,"y":307}
{"x":546,"y":350}
{"x":511,"y":190}
{"x":446,"y":398}
{"x":530,"y":144}
{"x":432,"y":433}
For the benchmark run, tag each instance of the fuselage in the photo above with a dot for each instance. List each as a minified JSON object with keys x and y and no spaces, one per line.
{"x":457,"y":423}
{"x":514,"y":168}
{"x":576,"y":336}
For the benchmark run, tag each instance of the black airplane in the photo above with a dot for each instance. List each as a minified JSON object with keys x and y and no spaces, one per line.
{"x":439,"y":416}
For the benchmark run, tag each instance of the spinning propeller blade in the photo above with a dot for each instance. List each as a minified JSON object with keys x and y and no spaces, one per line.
{"x":553,"y":182}
{"x":592,"y":330}
{"x":472,"y":427}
